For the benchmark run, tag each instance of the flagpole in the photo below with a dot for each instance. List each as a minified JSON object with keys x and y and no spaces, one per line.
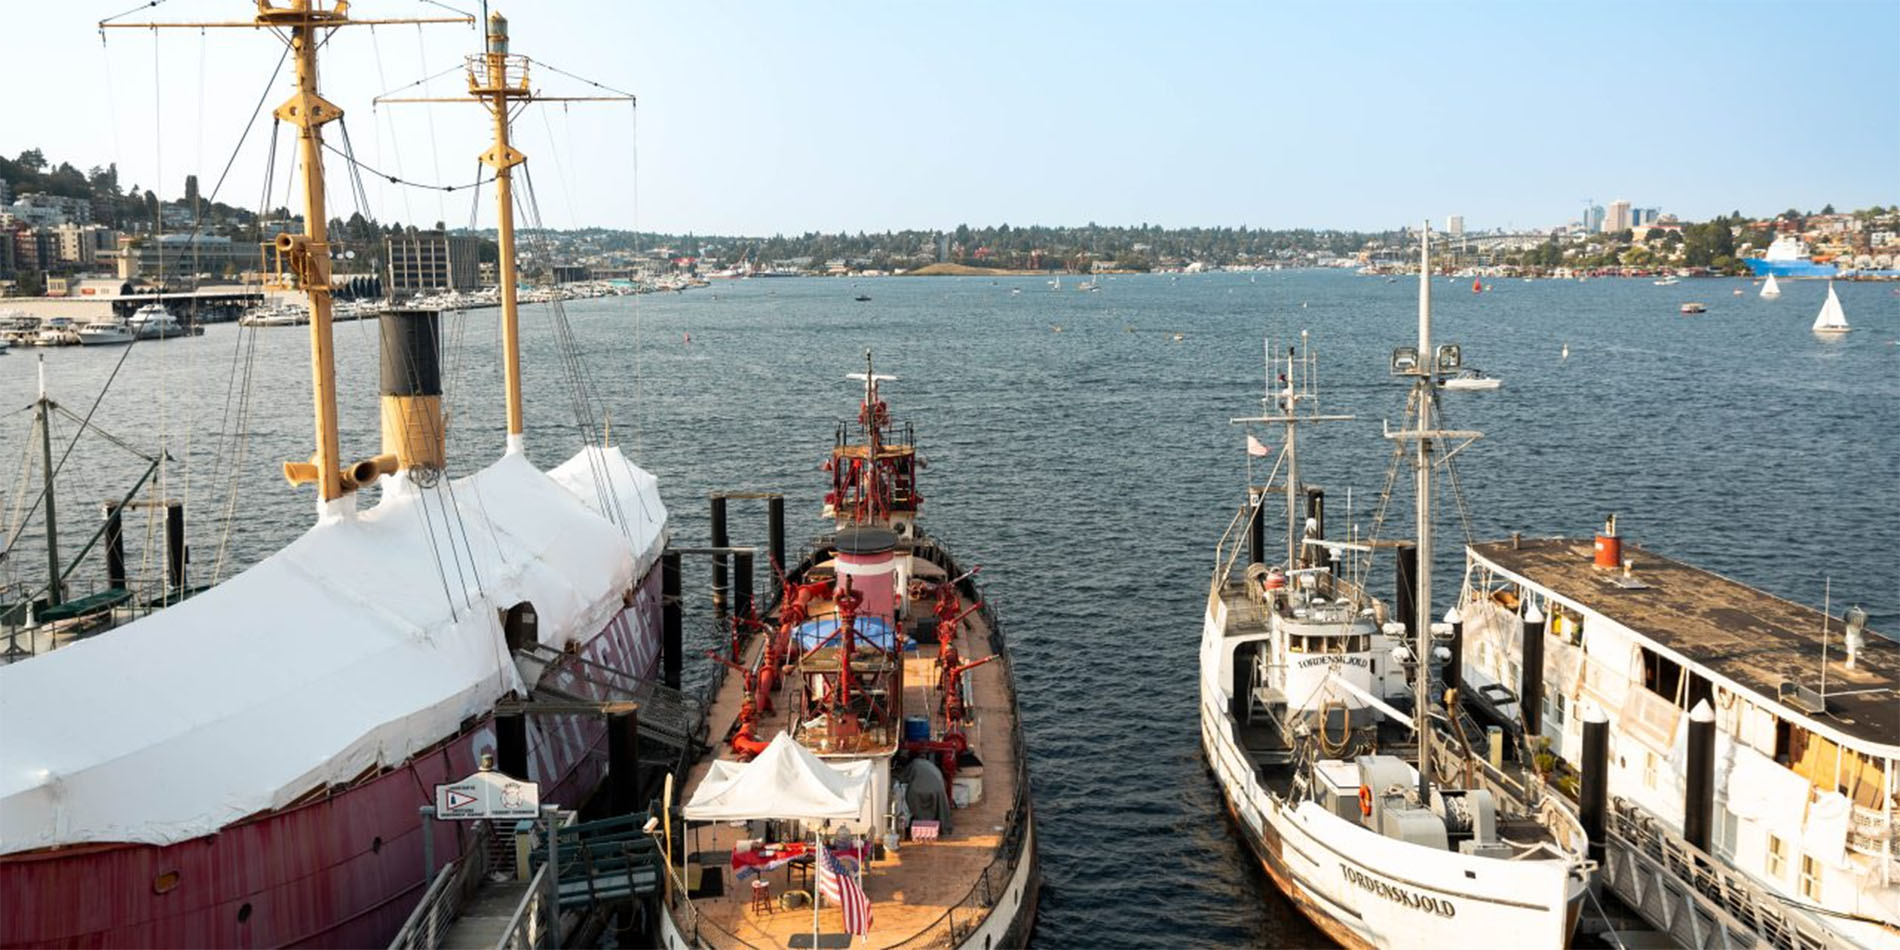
{"x":858,"y":843}
{"x":818,"y":870}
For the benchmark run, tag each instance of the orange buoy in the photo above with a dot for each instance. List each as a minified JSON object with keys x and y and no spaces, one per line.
{"x":1365,"y":801}
{"x":1609,"y":550}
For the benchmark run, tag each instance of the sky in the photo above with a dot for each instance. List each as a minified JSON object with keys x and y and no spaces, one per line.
{"x":763,"y":118}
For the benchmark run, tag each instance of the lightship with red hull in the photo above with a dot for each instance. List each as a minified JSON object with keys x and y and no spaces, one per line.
{"x":245,"y":768}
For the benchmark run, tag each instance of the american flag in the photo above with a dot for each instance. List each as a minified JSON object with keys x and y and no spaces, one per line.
{"x":840,"y":887}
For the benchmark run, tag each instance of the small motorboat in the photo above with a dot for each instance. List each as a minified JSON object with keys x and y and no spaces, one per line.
{"x":1694,"y":307}
{"x":1668,"y":282}
{"x":1472,"y":378}
{"x":862,"y":298}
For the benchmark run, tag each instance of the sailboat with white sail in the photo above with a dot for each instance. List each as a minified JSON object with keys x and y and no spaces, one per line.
{"x":1770,"y":290}
{"x":1832,"y":319}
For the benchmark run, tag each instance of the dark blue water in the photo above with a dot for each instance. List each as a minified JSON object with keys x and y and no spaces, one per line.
{"x":1090,"y":471}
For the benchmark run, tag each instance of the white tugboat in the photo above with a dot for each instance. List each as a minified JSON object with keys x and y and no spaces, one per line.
{"x":1306,"y":723}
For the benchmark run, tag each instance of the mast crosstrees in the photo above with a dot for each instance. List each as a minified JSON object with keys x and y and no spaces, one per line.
{"x":498,"y":79}
{"x":304,"y":25}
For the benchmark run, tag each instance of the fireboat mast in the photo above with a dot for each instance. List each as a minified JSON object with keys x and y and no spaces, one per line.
{"x":306,"y":25}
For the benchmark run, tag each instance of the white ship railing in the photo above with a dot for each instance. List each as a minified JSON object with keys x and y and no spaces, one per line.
{"x":1697,"y":900}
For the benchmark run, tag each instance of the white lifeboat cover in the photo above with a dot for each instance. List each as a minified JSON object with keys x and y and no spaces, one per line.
{"x":366,"y":640}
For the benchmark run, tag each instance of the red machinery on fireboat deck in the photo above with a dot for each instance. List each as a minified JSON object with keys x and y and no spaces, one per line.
{"x":879,"y":650}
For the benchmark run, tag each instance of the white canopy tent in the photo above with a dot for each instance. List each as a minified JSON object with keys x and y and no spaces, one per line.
{"x":786,"y":781}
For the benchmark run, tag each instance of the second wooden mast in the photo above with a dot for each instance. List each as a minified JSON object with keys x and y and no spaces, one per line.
{"x":497,"y":80}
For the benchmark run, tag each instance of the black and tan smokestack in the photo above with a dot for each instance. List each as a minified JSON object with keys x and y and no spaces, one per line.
{"x":412,"y":388}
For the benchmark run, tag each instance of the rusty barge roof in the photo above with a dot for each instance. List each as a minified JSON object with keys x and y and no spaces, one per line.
{"x":1747,"y":636}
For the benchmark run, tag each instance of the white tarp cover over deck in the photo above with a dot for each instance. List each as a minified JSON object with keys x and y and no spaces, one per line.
{"x":369,"y":638}
{"x":786,"y":781}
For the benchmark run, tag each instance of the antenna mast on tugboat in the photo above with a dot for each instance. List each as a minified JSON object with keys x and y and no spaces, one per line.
{"x":498,"y":80}
{"x":306,"y":25}
{"x":1291,"y":393}
{"x":1425,"y":365}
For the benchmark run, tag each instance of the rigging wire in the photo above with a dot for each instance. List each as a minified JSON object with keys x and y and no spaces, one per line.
{"x":550,"y":67}
{"x":435,"y":151}
{"x":119,"y":16}
{"x":358,"y":165}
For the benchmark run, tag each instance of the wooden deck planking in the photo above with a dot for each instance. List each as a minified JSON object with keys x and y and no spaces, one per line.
{"x":910,"y":889}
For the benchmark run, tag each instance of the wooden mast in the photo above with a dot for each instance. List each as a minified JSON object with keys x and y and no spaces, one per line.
{"x":310,"y":257}
{"x":305,"y":24}
{"x":493,"y":86}
{"x":498,"y":79}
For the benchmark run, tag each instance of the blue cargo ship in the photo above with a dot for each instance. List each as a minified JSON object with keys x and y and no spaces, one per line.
{"x":1788,"y":257}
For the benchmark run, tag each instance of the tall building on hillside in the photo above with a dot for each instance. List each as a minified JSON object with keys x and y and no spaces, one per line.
{"x":432,"y":260}
{"x":1455,"y":225}
{"x":1618,"y":218}
{"x":1593,"y":219}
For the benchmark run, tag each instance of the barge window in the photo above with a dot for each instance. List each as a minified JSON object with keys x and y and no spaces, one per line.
{"x":1662,"y":676}
{"x":1777,"y":857}
{"x":1554,"y":708}
{"x":1725,"y":830}
{"x":1810,"y":878}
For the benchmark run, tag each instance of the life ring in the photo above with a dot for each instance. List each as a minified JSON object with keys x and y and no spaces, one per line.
{"x":1365,"y":801}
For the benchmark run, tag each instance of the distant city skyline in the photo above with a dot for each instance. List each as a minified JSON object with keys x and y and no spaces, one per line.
{"x":869,"y":117}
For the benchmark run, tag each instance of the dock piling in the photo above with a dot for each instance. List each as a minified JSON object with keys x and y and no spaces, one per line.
{"x":1593,"y":799}
{"x":741,"y":590}
{"x":1405,"y":565}
{"x":775,"y":530}
{"x":115,"y":546}
{"x":1530,"y":693}
{"x":719,"y":540}
{"x":1698,"y":807}
{"x":670,"y":620}
{"x":175,"y":552}
{"x":623,"y":761}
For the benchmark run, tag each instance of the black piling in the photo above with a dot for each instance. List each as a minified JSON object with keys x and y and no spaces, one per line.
{"x":742,"y":585}
{"x":1530,"y":693}
{"x":719,"y":572}
{"x":670,"y":620}
{"x":1698,"y":806}
{"x":1405,"y":564}
{"x":1257,"y":532}
{"x":775,"y":530}
{"x":1455,"y":665}
{"x":623,"y":762}
{"x":1594,"y":800}
{"x":175,"y":552}
{"x":115,"y":546}
{"x":511,"y":745}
